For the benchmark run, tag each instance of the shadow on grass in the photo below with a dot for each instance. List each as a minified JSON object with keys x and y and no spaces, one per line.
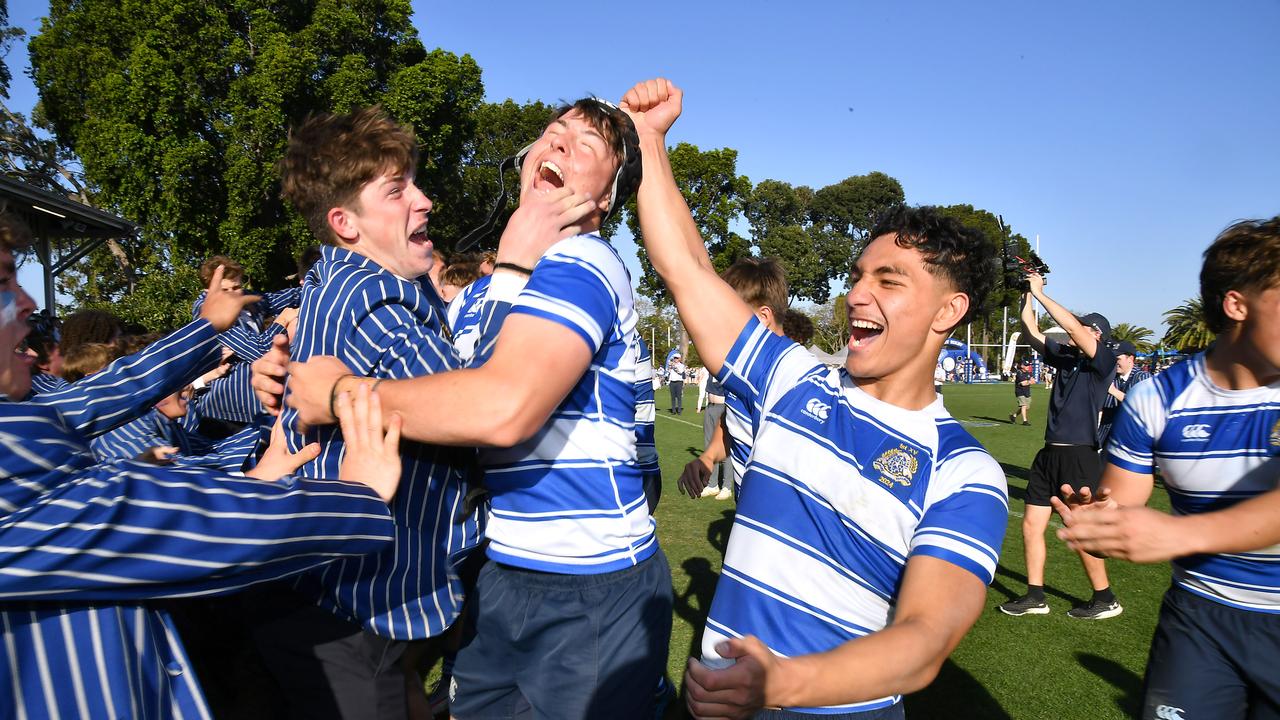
{"x":693,"y":604}
{"x":1016,"y":471}
{"x":1002,"y":571}
{"x":1129,"y":685}
{"x":1001,"y":420}
{"x":954,"y":695}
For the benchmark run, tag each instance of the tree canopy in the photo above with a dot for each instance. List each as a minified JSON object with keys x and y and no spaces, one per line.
{"x":1187,"y":329}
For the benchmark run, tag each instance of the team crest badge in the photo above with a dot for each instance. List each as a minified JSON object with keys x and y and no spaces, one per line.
{"x":1275,"y":434}
{"x":897,"y":465}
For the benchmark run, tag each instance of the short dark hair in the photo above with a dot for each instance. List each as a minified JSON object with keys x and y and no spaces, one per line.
{"x":1246,"y":258}
{"x":961,"y":255}
{"x":331,"y":157}
{"x":797,"y":326}
{"x":89,"y":326}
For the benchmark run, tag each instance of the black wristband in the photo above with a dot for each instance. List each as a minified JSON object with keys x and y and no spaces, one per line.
{"x":513,"y":267}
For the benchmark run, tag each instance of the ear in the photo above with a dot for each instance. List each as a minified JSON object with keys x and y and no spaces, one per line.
{"x":765,"y":315}
{"x":342,"y":222}
{"x":1235,"y":306}
{"x":953,"y":308}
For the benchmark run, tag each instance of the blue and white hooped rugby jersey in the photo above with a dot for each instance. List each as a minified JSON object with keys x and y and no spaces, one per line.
{"x":465,"y":314}
{"x":841,"y":490}
{"x":1214,"y":447}
{"x":570,"y":499}
{"x":646,"y":411}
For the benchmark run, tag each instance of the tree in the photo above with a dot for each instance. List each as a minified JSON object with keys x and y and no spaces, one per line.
{"x":831,"y":325}
{"x":986,"y":325}
{"x":179,"y":110}
{"x":842,"y":216}
{"x":1136,"y":334}
{"x":1187,"y":329}
{"x":715,"y":193}
{"x":8,"y":34}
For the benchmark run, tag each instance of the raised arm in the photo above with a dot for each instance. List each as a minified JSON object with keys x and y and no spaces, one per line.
{"x":1082,"y":336}
{"x":1031,"y":325}
{"x":712,"y":312}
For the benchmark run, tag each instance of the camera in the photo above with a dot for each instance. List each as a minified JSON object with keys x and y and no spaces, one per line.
{"x":1016,"y":267}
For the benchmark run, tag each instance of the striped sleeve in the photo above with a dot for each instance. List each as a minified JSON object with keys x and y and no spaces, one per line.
{"x":130,"y":386}
{"x":128,"y":531}
{"x":129,"y":440}
{"x":762,"y":366}
{"x":571,"y":291}
{"x":1138,"y":423}
{"x":273,"y":302}
{"x":965,"y":526}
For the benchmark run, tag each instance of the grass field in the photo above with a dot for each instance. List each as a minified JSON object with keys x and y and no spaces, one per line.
{"x":1030,"y":667}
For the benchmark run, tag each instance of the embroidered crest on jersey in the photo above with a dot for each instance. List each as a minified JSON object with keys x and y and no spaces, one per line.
{"x":897,"y":465}
{"x":1275,"y":434}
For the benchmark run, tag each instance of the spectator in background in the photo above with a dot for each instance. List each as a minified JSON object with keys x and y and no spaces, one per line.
{"x":88,"y":358}
{"x":675,"y":383}
{"x":797,"y":326}
{"x":1126,"y":377}
{"x":89,"y":326}
{"x":1023,"y":379}
{"x":939,"y":377}
{"x":701,"y":376}
{"x":457,"y":276}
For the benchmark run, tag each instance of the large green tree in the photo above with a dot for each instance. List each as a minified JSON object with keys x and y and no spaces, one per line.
{"x":179,"y":109}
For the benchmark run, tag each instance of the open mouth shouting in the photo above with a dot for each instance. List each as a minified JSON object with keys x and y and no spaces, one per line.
{"x":419,"y":234}
{"x":551,"y":174}
{"x":863,"y":332}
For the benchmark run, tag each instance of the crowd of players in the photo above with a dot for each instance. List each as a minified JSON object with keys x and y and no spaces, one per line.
{"x":484,"y":472}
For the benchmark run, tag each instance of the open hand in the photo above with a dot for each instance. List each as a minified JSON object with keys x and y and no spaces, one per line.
{"x":370,"y":456}
{"x":542,"y":220}
{"x":694,"y":478}
{"x":277,"y":461}
{"x":653,"y":105}
{"x":1136,"y":534}
{"x":269,"y":373}
{"x":222,"y":307}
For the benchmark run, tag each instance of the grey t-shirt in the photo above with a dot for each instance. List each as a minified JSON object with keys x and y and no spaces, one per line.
{"x":1078,"y":392}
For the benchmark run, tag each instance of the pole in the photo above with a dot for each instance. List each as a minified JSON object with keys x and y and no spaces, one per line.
{"x":968,"y":341}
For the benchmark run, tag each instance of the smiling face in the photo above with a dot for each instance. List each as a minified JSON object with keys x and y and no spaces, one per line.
{"x":387,"y":223}
{"x":899,"y":316}
{"x":572,"y":153}
{"x":15,"y":307}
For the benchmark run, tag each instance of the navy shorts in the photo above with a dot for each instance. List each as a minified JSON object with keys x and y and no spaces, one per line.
{"x":1210,"y":660}
{"x":1056,"y":465}
{"x":564,"y":646}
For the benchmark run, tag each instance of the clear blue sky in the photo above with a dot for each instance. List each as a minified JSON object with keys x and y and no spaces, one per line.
{"x":1125,"y":135}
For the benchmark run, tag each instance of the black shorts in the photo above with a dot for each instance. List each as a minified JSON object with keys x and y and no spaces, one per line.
{"x":1058,"y":465}
{"x":1210,"y":660}
{"x":570,"y":646}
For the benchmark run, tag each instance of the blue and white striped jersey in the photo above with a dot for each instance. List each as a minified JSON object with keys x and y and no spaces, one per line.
{"x":740,"y":426}
{"x":570,"y":499}
{"x":151,"y":430}
{"x":231,"y":397}
{"x":45,"y":383}
{"x":646,"y":444}
{"x":84,"y":546}
{"x":465,"y":314}
{"x":384,"y":326}
{"x":1214,"y":448}
{"x":841,"y":490}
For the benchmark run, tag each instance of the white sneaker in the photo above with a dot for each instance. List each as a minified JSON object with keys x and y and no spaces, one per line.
{"x":724,"y":494}
{"x":709,"y":491}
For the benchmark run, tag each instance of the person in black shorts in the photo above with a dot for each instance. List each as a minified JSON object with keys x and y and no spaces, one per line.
{"x":1023,"y":379}
{"x":1086,"y":366}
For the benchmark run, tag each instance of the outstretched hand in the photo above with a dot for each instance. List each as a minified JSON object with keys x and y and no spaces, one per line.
{"x":312,"y":384}
{"x":222,"y":307}
{"x":370,"y":456}
{"x":277,"y":461}
{"x":653,"y":105}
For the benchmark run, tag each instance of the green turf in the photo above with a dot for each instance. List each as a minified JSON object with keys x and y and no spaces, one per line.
{"x":1030,"y":667}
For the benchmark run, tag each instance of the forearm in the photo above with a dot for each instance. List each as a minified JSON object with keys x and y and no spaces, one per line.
{"x":711,"y":311}
{"x":856,"y":671}
{"x":1067,"y":321}
{"x":1243,"y":527}
{"x":466,"y":407}
{"x":1031,"y":325}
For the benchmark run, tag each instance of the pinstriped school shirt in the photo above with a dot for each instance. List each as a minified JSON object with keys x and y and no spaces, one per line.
{"x":85,"y":547}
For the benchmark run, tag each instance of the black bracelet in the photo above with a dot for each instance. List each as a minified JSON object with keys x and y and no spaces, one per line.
{"x":513,"y":267}
{"x":333,"y":394}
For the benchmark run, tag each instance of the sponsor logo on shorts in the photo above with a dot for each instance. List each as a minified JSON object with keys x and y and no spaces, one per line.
{"x":1198,"y":431}
{"x":817,"y":409}
{"x":1169,"y":712}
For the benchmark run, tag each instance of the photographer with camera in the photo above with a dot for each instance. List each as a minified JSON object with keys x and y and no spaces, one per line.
{"x":1086,"y":366}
